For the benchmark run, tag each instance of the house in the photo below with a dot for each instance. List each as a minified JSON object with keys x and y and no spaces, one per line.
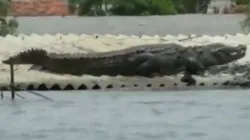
{"x":226,"y":6}
{"x":220,"y":5}
{"x":39,"y":8}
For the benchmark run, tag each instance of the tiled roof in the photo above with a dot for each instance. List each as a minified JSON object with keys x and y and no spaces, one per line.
{"x":39,"y":8}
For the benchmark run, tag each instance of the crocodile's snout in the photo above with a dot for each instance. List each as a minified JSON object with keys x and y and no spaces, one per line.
{"x":229,"y":54}
{"x":238,"y":51}
{"x":242,"y":48}
{"x":235,"y":52}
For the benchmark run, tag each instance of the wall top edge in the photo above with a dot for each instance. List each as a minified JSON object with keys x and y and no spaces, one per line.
{"x":123,"y":35}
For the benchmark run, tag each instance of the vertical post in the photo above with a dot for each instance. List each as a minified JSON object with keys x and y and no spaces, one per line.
{"x":12,"y":88}
{"x":106,"y":6}
{"x":1,"y":95}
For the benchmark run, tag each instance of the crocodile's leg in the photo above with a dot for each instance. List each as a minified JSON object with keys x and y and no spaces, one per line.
{"x":194,"y":66}
{"x":147,"y":69}
{"x":187,"y":78}
{"x":145,"y":64}
{"x":139,"y":58}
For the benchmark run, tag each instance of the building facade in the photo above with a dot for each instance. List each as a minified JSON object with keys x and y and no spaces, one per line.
{"x":39,"y":8}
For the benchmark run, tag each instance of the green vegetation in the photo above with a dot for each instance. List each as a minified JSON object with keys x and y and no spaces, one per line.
{"x":245,"y":24}
{"x":6,"y":26}
{"x":241,"y":2}
{"x":138,"y":7}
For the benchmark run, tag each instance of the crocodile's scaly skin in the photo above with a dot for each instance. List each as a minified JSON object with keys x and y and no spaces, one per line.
{"x":143,"y":60}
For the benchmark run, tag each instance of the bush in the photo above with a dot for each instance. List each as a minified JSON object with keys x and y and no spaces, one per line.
{"x":6,"y":26}
{"x":96,"y":12}
{"x":90,"y":7}
{"x":129,"y":7}
{"x":241,"y":2}
{"x":162,"y":7}
{"x":143,"y":7}
{"x":245,"y":24}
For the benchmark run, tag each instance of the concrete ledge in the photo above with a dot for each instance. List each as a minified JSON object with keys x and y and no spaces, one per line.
{"x":128,"y":83}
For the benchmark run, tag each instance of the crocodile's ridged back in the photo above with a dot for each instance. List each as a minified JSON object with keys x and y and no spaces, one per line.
{"x":32,"y":56}
{"x":116,"y":62}
{"x":153,"y":48}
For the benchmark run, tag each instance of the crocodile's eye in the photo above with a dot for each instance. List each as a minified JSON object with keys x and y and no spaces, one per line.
{"x":233,"y":53}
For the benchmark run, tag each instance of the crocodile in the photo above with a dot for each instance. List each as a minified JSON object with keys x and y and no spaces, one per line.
{"x":110,"y":63}
{"x":143,"y":60}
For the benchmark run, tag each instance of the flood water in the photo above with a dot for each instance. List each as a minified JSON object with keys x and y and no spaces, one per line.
{"x":137,"y":25}
{"x":190,"y":115}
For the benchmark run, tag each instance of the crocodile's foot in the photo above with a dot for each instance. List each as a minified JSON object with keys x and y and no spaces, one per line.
{"x":148,"y":68}
{"x":187,"y":78}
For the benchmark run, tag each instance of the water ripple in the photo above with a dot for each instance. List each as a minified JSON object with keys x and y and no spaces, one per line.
{"x":137,"y":116}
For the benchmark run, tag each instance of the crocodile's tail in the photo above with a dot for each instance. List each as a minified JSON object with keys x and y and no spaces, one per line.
{"x":32,"y":56}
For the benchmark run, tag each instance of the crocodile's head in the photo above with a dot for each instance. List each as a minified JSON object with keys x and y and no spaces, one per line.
{"x":227,"y":54}
{"x":33,"y":56}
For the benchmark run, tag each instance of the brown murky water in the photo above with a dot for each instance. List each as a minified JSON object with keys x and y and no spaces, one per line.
{"x":191,"y":115}
{"x":201,"y":115}
{"x":161,"y":25}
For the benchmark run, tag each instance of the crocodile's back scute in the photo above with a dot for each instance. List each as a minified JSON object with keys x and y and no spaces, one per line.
{"x":131,"y":50}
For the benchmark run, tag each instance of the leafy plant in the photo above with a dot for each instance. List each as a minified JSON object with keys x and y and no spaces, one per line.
{"x":143,"y":7}
{"x":241,"y":2}
{"x":245,"y":24}
{"x":139,"y":7}
{"x":7,"y":26}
